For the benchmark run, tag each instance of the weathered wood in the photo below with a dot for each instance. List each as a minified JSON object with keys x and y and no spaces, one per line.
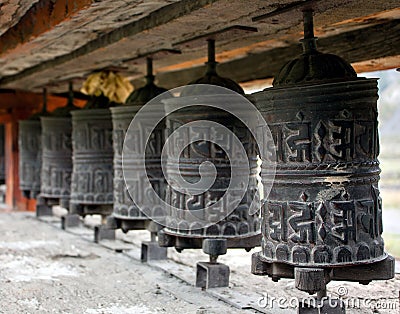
{"x":11,"y":12}
{"x":69,"y":43}
{"x":39,"y":18}
{"x":92,"y":39}
{"x":378,"y":41}
{"x":14,"y":198}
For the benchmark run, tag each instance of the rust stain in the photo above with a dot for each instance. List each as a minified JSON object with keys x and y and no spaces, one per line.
{"x":40,"y":18}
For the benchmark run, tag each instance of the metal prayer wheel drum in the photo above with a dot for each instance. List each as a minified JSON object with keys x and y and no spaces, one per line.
{"x":324,"y":208}
{"x":2,"y":156}
{"x":124,"y":207}
{"x":322,"y":220}
{"x":30,"y":157}
{"x":239,"y":228}
{"x":125,"y":210}
{"x":92,"y":176}
{"x":56,"y":169}
{"x":56,"y":158}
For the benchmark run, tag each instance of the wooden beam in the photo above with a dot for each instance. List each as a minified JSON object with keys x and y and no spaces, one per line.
{"x":41,"y":17}
{"x":156,"y":18}
{"x":373,"y":42}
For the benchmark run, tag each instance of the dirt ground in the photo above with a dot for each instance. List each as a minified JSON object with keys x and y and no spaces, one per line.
{"x":44,"y":269}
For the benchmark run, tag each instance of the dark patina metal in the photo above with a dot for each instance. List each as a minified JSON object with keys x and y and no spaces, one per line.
{"x":125,"y":211}
{"x":323,"y":218}
{"x":92,"y":176}
{"x":239,"y":229}
{"x":126,"y":215}
{"x":30,"y":155}
{"x":57,"y":156}
{"x":30,"y":152}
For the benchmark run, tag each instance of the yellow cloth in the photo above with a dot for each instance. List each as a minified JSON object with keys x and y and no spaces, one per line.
{"x":113,"y":86}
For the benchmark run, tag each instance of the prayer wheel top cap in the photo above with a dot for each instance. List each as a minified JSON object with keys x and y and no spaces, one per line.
{"x":146,"y":93}
{"x":211,"y":77}
{"x":313,"y":67}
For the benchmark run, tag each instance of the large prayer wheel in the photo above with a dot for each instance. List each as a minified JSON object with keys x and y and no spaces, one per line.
{"x":30,"y":156}
{"x":57,"y":162}
{"x":240,"y":229}
{"x":57,"y":155}
{"x":125,"y":211}
{"x":92,"y":176}
{"x":323,"y":216}
{"x":30,"y":152}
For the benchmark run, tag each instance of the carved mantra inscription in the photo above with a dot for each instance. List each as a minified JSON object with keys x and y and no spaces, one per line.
{"x":30,"y":156}
{"x":124,"y":206}
{"x":324,"y":207}
{"x":239,"y":223}
{"x":56,"y":157}
{"x":325,"y":141}
{"x":92,"y":178}
{"x":325,"y":230}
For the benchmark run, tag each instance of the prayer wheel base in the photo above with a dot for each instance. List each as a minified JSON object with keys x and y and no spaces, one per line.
{"x":362,"y":273}
{"x":132,"y":224}
{"x":181,"y":242}
{"x":212,"y":275}
{"x":44,"y":210}
{"x":70,"y":221}
{"x":152,"y":251}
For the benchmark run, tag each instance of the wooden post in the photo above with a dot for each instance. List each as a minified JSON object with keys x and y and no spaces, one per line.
{"x":14,"y":198}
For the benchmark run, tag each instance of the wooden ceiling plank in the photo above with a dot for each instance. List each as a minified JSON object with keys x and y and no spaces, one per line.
{"x":155,"y":18}
{"x":254,"y":56}
{"x":41,"y":17}
{"x":374,"y":42}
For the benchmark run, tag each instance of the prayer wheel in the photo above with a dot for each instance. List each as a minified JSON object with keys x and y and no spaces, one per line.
{"x":92,"y":175}
{"x":323,"y":216}
{"x":30,"y":155}
{"x":30,"y":152}
{"x":125,"y":212}
{"x":239,"y":229}
{"x":56,"y":157}
{"x":239,"y":225}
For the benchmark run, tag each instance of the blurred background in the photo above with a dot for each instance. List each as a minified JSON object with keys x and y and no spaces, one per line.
{"x":389,"y":130}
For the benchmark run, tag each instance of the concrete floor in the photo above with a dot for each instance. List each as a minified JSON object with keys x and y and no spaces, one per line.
{"x":47,"y":270}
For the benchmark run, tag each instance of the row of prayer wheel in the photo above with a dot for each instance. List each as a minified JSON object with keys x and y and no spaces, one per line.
{"x":323,"y":214}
